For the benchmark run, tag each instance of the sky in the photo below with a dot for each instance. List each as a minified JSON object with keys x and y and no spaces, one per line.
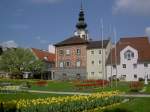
{"x":38,"y":23}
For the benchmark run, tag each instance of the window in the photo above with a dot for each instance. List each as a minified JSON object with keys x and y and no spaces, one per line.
{"x":92,"y":52}
{"x":61,"y":52}
{"x":84,"y":36}
{"x":49,"y":65}
{"x":114,"y":76}
{"x":99,"y":51}
{"x":78,"y":63}
{"x":123,"y":65}
{"x":78,"y":76}
{"x":67,"y":52}
{"x":61,"y":64}
{"x":68,"y":63}
{"x":53,"y":75}
{"x":92,"y":73}
{"x":99,"y":61}
{"x":135,"y":65}
{"x":100,"y":72}
{"x":114,"y":66}
{"x":123,"y":77}
{"x":145,"y":64}
{"x":78,"y":51}
{"x":135,"y":76}
{"x":92,"y":62}
{"x":128,"y":55}
{"x":64,"y":75}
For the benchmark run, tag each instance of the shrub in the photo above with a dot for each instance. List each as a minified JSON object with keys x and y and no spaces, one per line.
{"x":135,"y":86}
{"x":92,"y":83}
{"x":8,"y":107}
{"x":141,"y":79}
{"x":117,"y":110}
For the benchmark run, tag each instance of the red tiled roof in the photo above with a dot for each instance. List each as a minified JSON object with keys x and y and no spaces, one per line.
{"x":97,"y":44}
{"x":141,"y":44}
{"x":72,"y":41}
{"x":44,"y":55}
{"x":134,"y":40}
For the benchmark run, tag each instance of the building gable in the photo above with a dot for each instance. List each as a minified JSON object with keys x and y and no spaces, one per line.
{"x":128,"y":54}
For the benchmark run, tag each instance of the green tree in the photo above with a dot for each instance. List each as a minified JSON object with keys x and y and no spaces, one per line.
{"x":16,"y":61}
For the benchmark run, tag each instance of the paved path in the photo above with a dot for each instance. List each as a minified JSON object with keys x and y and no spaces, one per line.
{"x":79,"y":93}
{"x":136,"y":95}
{"x":54,"y":92}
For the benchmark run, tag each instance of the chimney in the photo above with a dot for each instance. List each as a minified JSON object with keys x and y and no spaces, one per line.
{"x":51,"y":48}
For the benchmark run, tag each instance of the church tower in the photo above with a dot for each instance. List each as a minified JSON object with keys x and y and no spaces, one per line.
{"x":81,"y":25}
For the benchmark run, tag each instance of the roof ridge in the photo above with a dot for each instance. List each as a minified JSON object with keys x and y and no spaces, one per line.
{"x":42,"y":50}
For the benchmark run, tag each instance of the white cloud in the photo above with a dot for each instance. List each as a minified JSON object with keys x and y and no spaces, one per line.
{"x":9,"y":44}
{"x":132,"y":6}
{"x":147,"y":31}
{"x":46,"y":1}
{"x":42,"y":41}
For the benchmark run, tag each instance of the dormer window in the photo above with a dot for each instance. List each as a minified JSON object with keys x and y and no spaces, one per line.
{"x":128,"y":55}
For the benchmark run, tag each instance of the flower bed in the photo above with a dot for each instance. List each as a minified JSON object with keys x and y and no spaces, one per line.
{"x":92,"y":83}
{"x":135,"y":86}
{"x":75,"y":103}
{"x":41,"y":83}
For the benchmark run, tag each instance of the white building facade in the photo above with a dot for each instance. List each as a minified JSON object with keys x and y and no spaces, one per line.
{"x":133,"y":61}
{"x":96,"y":68}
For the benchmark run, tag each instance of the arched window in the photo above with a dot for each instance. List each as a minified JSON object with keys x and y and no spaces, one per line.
{"x":128,"y":55}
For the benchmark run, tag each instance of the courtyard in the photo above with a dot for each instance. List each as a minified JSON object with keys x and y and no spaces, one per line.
{"x":41,"y":89}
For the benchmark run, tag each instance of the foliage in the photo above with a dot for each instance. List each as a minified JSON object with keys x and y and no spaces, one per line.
{"x":26,"y":95}
{"x":75,"y":103}
{"x":117,"y":110}
{"x":16,"y":61}
{"x":136,"y":105}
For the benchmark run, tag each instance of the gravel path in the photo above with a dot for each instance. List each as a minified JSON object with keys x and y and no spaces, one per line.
{"x":79,"y":93}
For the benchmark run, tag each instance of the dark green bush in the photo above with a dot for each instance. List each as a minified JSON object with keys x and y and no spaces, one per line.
{"x":117,"y":110}
{"x":8,"y":107}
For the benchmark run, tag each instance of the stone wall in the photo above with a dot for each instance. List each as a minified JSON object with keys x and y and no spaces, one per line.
{"x":70,"y":74}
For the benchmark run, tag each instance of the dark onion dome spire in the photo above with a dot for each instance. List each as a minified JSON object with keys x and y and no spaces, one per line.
{"x":81,"y":23}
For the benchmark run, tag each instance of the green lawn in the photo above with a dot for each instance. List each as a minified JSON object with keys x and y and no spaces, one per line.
{"x":55,"y":86}
{"x":135,"y":105}
{"x":121,"y":86}
{"x":69,"y":86}
{"x":148,"y":88}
